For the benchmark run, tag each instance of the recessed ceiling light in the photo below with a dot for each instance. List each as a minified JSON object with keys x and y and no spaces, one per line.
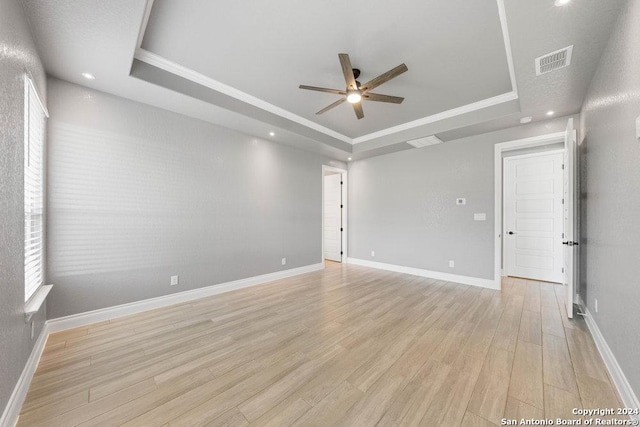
{"x":272,"y":134}
{"x":349,"y":158}
{"x":561,"y":2}
{"x":88,"y":76}
{"x":525,"y":120}
{"x":550,"y":113}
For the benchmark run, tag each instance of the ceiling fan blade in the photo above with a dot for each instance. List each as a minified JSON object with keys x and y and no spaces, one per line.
{"x":323,"y":89}
{"x":382,"y":98}
{"x":357,"y":107}
{"x":329,"y":107}
{"x":347,"y":70}
{"x":383,"y":78}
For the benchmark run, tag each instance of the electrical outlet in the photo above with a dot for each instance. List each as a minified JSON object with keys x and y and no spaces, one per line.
{"x":595,"y":304}
{"x":461,"y":201}
{"x":452,"y":263}
{"x":284,"y":261}
{"x":33,"y":330}
{"x":373,"y":253}
{"x":174,"y":280}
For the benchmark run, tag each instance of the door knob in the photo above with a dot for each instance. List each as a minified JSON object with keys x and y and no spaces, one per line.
{"x":511,"y":232}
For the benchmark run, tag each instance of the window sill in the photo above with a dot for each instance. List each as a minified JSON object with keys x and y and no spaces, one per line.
{"x":34,"y":304}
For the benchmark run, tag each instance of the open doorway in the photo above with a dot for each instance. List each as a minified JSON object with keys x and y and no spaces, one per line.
{"x":334,"y":210}
{"x":567,"y":235}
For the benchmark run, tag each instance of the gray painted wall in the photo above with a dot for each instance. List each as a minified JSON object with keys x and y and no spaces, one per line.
{"x":610,"y":157}
{"x":17,"y":53}
{"x":137,"y":194}
{"x":402,"y":205}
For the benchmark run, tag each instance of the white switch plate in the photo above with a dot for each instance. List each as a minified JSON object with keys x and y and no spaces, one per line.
{"x":174,"y":280}
{"x":284,"y":261}
{"x":479,"y":216}
{"x":373,"y":253}
{"x":452,"y":263}
{"x":461,"y":201}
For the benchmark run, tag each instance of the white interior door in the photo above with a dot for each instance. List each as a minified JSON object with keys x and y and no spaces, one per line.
{"x":569,"y":236}
{"x":533,"y":186}
{"x":333,"y":217}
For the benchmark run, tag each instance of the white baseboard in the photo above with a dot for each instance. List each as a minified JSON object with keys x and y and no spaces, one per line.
{"x":14,"y":405}
{"x":629,"y":398}
{"x":100,"y":315}
{"x":12,"y":410}
{"x":466,"y":280}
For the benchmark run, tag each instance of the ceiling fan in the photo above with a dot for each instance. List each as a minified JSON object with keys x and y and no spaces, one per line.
{"x":355,"y":93}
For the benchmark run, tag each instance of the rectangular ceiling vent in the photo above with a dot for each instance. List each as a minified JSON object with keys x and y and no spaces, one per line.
{"x":426,"y":141}
{"x":554,"y":61}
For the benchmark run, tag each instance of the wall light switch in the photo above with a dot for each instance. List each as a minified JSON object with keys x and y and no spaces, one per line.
{"x":284,"y":261}
{"x":479,"y":216}
{"x":461,"y":201}
{"x":452,"y":263}
{"x":174,"y":280}
{"x":373,"y":253}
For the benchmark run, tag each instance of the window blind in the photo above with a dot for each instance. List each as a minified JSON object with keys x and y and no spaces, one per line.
{"x":35,"y":131}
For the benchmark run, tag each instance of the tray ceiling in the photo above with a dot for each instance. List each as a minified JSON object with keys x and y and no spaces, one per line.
{"x":454,"y":49}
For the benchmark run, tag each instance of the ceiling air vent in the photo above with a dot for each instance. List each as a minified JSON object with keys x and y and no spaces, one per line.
{"x":554,"y":61}
{"x":423,"y":142}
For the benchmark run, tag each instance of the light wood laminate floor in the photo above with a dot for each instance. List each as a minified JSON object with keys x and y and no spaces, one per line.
{"x":348,"y":346}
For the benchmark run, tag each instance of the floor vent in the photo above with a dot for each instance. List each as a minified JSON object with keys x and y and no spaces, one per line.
{"x":423,"y":142}
{"x":554,"y":61}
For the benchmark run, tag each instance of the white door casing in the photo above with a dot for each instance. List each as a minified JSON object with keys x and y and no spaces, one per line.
{"x":570,"y":236}
{"x":332,"y":234}
{"x":533,"y":220}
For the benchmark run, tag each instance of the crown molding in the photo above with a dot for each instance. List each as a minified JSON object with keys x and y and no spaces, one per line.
{"x":192,"y":75}
{"x":189,"y":74}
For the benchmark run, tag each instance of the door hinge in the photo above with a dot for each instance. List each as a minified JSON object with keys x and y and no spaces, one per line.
{"x":341,"y":182}
{"x":563,"y":235}
{"x":341,"y":229}
{"x":563,"y":269}
{"x":563,"y":166}
{"x":341,"y":253}
{"x":341,"y":206}
{"x":563,"y":201}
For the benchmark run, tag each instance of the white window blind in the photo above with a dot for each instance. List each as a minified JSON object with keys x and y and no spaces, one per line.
{"x":34,"y":136}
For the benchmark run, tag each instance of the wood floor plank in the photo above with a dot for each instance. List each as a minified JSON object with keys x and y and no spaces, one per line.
{"x":557,"y":366}
{"x":559,"y":403}
{"x":490,"y":393}
{"x":530,"y":327}
{"x":551,"y":320}
{"x":584,"y":355}
{"x":526,"y":377}
{"x":332,"y":408}
{"x":472,"y":420}
{"x":348,"y":345}
{"x":517,"y":410}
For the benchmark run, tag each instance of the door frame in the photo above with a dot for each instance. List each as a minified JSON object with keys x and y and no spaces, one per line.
{"x":502,"y":209}
{"x":345,"y":193}
{"x":499,"y":148}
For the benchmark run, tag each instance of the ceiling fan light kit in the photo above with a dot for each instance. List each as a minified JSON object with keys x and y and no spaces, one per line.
{"x":354,"y":96}
{"x":355,"y":92}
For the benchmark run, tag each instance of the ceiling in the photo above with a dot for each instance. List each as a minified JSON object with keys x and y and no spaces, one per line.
{"x":239,"y":64}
